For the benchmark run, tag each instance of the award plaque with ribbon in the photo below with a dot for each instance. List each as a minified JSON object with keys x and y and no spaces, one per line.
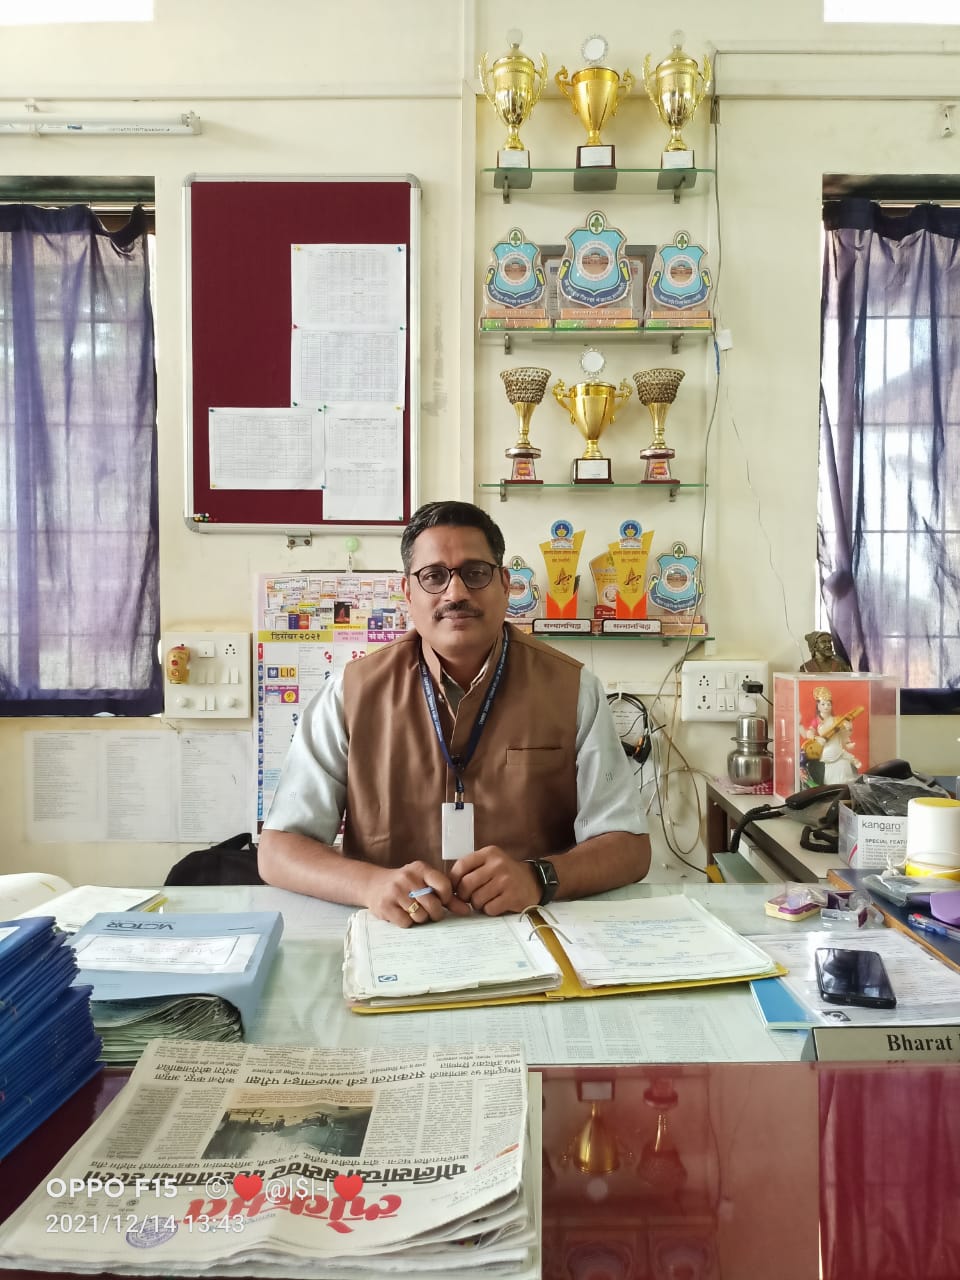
{"x":595,"y":278}
{"x":515,"y":286}
{"x":523,"y":594}
{"x":561,"y":554}
{"x":629,"y":555}
{"x":675,"y":593}
{"x":678,"y":294}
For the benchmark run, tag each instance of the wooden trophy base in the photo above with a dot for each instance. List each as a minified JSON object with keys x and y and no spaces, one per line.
{"x":591,"y":471}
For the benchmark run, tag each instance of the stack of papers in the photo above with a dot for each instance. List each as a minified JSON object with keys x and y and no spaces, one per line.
{"x":48,"y":1047}
{"x":76,"y":907}
{"x":651,"y":941}
{"x":180,"y":976}
{"x":564,"y":951}
{"x":126,"y":1026}
{"x":40,"y":893}
{"x":455,"y":960}
{"x":299,"y":1161}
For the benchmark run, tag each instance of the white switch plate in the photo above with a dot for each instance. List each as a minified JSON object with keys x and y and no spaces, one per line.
{"x":219,"y":676}
{"x":711,"y":689}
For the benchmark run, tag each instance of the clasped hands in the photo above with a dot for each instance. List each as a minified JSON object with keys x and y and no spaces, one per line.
{"x":487,"y":880}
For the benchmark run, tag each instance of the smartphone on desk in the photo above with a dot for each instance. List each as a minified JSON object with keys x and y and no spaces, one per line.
{"x":845,"y":976}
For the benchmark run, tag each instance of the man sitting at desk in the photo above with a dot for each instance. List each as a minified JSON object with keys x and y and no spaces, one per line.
{"x":512,"y":738}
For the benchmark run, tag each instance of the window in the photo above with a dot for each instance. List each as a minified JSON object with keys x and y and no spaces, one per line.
{"x":79,"y":591}
{"x":889,"y":511}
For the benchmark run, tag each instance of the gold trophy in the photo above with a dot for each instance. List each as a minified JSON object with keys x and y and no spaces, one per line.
{"x":592,"y":406}
{"x":525,"y":388}
{"x":657,"y":389}
{"x":513,"y":86}
{"x":594,"y":93}
{"x":676,"y":89}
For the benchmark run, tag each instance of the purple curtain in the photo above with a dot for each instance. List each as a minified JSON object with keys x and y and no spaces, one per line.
{"x":79,"y":590}
{"x":889,"y":514}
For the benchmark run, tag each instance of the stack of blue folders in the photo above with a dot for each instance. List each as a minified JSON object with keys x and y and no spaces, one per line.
{"x":48,"y":1047}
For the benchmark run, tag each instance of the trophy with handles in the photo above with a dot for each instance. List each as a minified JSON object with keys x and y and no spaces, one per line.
{"x":592,"y":406}
{"x":595,"y":92}
{"x":513,"y":86}
{"x":676,"y":88}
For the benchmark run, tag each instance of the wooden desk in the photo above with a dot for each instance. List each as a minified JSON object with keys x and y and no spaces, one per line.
{"x":778,"y":839}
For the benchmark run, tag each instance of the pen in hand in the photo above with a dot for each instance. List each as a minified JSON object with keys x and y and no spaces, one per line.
{"x":926,"y":925}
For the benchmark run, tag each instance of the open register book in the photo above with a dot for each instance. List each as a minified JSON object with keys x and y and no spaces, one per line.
{"x":560,"y":952}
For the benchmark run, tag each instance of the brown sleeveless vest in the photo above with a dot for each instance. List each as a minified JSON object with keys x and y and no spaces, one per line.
{"x":521,"y":781}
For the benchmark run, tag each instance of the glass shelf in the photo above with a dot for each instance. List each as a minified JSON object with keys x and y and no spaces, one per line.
{"x":506,"y":338}
{"x":673,"y":182}
{"x":506,"y":485}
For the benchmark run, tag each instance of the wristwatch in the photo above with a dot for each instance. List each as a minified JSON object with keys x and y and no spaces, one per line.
{"x":546,"y":874}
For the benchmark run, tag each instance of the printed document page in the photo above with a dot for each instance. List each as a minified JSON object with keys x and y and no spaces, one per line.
{"x":364,"y":462}
{"x":669,"y":939}
{"x":266,"y":448}
{"x":129,"y":954}
{"x":342,"y":368}
{"x":91,"y":786}
{"x":459,"y":956}
{"x":348,"y":286}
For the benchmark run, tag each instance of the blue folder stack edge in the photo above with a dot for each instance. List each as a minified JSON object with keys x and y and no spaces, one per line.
{"x":48,"y":1046}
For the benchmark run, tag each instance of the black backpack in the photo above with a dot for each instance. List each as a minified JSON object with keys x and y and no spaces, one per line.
{"x":232,"y":861}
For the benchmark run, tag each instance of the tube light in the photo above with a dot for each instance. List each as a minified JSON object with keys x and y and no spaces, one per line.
{"x":37,"y":122}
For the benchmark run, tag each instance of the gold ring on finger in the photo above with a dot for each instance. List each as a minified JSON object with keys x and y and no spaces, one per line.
{"x":413,"y":908}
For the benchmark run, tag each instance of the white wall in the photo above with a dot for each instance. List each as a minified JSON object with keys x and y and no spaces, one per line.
{"x":387,"y":86}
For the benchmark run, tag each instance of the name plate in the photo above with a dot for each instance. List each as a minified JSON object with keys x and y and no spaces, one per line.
{"x":933,"y":1043}
{"x":631,"y":626}
{"x":562,"y":626}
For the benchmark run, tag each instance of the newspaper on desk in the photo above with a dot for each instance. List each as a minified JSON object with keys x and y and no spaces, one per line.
{"x":282,"y":1160}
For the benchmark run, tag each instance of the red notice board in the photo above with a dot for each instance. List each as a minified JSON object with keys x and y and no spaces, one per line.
{"x":238,"y":236}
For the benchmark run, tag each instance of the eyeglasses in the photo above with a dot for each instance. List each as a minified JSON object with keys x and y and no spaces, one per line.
{"x":474,"y":574}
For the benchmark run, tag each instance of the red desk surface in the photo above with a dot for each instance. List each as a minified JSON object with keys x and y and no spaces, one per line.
{"x":720,"y":1171}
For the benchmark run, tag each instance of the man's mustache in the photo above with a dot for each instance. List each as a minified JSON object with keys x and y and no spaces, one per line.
{"x":456,"y":606}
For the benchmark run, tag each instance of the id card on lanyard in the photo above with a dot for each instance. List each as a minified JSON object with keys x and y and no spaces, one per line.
{"x":456,"y":819}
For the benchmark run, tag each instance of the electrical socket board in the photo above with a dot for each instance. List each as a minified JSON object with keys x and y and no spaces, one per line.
{"x":212,"y":675}
{"x":711,"y":689}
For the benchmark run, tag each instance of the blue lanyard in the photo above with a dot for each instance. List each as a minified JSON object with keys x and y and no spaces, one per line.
{"x":458,"y":764}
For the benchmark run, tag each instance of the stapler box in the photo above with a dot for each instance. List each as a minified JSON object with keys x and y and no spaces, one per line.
{"x":867,"y":838}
